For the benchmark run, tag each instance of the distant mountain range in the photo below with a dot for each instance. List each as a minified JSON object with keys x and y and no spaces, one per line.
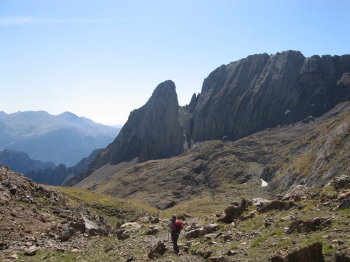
{"x":64,"y":138}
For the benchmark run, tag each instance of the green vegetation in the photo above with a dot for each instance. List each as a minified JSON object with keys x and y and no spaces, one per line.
{"x":344,"y":211}
{"x":257,"y":241}
{"x":114,"y":209}
{"x":51,"y":255}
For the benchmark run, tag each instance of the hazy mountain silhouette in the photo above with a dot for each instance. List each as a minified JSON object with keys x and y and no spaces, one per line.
{"x":64,"y":138}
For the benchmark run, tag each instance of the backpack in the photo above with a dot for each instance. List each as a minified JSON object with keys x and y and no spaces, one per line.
{"x":178,"y":226}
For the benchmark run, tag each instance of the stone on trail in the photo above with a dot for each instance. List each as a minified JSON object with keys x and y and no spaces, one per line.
{"x":311,"y":253}
{"x":31,"y":251}
{"x":276,"y":205}
{"x":344,"y":204}
{"x":157,"y":250}
{"x":306,"y":226}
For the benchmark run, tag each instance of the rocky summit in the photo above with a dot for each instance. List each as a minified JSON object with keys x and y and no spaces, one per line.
{"x":241,"y":98}
{"x":151,"y":132}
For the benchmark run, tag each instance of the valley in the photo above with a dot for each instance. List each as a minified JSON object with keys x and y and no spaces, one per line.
{"x":257,"y":165}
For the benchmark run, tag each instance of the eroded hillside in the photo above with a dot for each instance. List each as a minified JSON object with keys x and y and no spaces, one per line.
{"x":309,"y":152}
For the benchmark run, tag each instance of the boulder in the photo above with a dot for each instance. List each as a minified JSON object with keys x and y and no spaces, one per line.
{"x":78,"y":225}
{"x":210,"y":228}
{"x":344,"y":203}
{"x":343,"y":195}
{"x":340,"y":182}
{"x":4,"y":245}
{"x":342,"y":256}
{"x":311,"y":253}
{"x":258,"y":202}
{"x":122,"y":234}
{"x":219,"y":259}
{"x":152,"y":231}
{"x":231,"y":252}
{"x":130,"y":226}
{"x":154,"y":220}
{"x":234,"y":211}
{"x":31,"y":251}
{"x":92,"y":228}
{"x":276,"y":205}
{"x":196,"y":233}
{"x":201,"y":231}
{"x":157,"y":250}
{"x":130,"y":259}
{"x":296,"y":193}
{"x":67,"y":234}
{"x":305,"y":226}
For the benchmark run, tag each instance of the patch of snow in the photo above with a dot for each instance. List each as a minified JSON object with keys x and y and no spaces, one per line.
{"x":312,"y":105}
{"x":287,"y":112}
{"x":198,"y":143}
{"x":263,"y":183}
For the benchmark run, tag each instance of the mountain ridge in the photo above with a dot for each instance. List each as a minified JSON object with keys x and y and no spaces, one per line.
{"x":21,"y":162}
{"x":241,"y":98}
{"x":64,"y":138}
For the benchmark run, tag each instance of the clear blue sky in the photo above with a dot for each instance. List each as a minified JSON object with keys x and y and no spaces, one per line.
{"x":103,"y":58}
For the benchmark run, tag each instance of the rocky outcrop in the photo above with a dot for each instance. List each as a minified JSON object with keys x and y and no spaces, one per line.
{"x":151,"y":132}
{"x":234,"y":211}
{"x":276,"y":205}
{"x":342,"y":181}
{"x":35,"y":217}
{"x":311,"y":253}
{"x":201,"y":231}
{"x":301,"y":226}
{"x":157,"y":250}
{"x":264,"y":90}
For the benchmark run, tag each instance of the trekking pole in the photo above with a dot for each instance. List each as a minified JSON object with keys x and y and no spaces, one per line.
{"x":168,"y":236}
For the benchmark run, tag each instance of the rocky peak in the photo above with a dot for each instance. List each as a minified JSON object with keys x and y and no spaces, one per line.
{"x":151,"y":132}
{"x":263,"y":91}
{"x":165,"y":90}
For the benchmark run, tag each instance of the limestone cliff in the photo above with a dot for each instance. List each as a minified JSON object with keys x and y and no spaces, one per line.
{"x":264,"y":90}
{"x":151,"y":132}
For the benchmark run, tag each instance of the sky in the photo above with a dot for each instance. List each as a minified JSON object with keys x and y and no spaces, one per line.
{"x":103,"y":58}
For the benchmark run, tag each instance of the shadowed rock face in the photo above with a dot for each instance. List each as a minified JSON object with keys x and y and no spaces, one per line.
{"x":263,"y":91}
{"x":151,"y":132}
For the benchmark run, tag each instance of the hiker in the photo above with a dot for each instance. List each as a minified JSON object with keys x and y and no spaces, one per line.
{"x":175,"y":228}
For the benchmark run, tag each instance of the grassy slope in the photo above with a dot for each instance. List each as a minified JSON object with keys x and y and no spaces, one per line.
{"x":112,"y":208}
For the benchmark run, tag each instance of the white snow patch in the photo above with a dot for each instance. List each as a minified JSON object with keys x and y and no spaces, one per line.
{"x":287,"y":112}
{"x":312,"y":105}
{"x":263,"y":183}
